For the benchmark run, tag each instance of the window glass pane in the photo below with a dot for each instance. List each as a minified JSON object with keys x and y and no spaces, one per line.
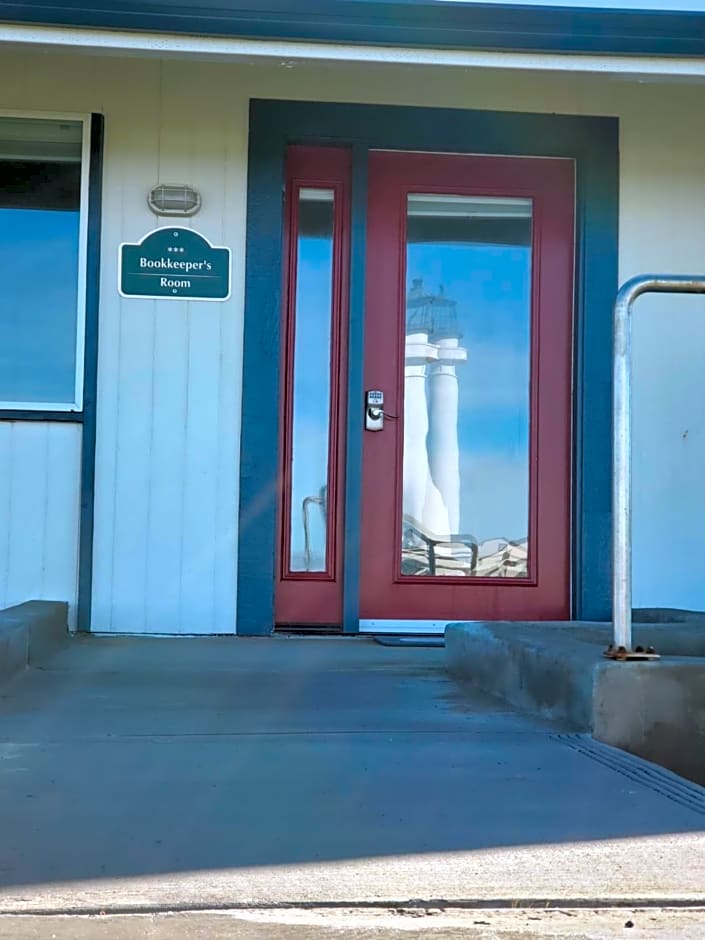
{"x":40,"y":183}
{"x":311,"y":380}
{"x":466,"y":391}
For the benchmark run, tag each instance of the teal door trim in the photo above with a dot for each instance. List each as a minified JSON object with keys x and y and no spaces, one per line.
{"x":593,"y":144}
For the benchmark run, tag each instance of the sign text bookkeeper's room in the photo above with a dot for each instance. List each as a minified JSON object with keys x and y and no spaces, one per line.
{"x":174,"y":264}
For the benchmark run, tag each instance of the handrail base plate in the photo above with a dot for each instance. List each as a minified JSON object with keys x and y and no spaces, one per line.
{"x":622,"y":655}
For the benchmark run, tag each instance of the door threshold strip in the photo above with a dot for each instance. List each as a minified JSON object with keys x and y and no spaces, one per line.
{"x":405,"y":627}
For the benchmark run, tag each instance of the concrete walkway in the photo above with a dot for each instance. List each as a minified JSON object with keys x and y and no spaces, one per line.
{"x":341,"y":924}
{"x":151,"y":774}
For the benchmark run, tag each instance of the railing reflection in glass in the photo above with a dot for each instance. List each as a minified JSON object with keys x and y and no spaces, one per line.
{"x":467,"y":361}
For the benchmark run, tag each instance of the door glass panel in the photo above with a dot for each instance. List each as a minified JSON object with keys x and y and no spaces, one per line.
{"x":311,"y":381}
{"x":466,"y":387}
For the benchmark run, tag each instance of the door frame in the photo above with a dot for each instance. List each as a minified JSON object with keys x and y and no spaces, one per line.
{"x":593,"y":143}
{"x":543,"y":592}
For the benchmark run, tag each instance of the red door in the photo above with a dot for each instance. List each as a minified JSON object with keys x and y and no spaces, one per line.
{"x":466,"y":477}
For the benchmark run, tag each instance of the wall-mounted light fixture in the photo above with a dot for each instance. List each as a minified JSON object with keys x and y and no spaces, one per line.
{"x":174,"y":200}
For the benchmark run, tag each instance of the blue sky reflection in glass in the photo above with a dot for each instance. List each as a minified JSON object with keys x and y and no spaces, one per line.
{"x":40,"y":180}
{"x":467,"y":368}
{"x":311,"y":383}
{"x":38,"y":304}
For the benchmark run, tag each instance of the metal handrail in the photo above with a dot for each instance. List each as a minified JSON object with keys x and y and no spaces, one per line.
{"x":622,"y":439}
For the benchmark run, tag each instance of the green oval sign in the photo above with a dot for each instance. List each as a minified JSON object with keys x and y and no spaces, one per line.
{"x":174,"y":264}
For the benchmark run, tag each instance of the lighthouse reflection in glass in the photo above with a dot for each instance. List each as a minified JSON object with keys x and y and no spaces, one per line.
{"x":467,"y":363}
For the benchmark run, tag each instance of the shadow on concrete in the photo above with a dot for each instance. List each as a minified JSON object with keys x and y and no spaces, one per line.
{"x":124,"y":758}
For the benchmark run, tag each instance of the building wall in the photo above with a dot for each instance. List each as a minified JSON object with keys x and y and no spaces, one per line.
{"x":170,"y":373}
{"x":39,"y":503}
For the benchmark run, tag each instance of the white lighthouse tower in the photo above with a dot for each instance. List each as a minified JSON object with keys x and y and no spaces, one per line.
{"x":418,"y":352}
{"x":442,"y":391}
{"x":431,"y":491}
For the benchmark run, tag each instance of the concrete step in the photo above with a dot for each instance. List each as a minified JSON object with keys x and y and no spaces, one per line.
{"x":655,"y":710}
{"x":29,"y":633}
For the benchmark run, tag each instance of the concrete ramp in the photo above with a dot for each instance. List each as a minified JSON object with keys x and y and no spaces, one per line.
{"x":147,"y":774}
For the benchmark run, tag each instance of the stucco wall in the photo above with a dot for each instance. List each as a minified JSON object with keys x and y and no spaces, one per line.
{"x":170,"y":373}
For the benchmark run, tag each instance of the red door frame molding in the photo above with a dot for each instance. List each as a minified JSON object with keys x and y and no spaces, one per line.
{"x":309,"y":597}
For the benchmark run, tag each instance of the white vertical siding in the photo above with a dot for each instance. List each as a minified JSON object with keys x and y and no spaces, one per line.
{"x":39,"y":512}
{"x":166,"y":519}
{"x":663,"y":230}
{"x":170,"y":372}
